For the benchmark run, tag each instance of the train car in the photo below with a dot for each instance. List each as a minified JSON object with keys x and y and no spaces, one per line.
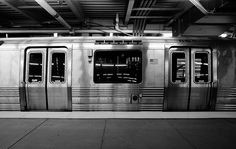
{"x":117,"y":74}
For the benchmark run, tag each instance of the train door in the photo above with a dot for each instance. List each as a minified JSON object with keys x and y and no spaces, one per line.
{"x":201,"y":79}
{"x":188,"y":85}
{"x":35,"y":79}
{"x":46,"y":79}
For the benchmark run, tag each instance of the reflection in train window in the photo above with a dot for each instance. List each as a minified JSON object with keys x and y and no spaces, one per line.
{"x":58,"y":67}
{"x":201,"y":67}
{"x":178,"y":67}
{"x":118,"y":66}
{"x":35,"y":67}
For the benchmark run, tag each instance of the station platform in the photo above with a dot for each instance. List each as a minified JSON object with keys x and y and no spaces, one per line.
{"x":117,"y":130}
{"x":115,"y":115}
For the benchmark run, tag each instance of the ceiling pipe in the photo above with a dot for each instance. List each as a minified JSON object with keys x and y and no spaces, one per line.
{"x":51,"y":31}
{"x":117,"y":28}
{"x":53,"y":13}
{"x":199,"y":6}
{"x":137,"y":21}
{"x":146,"y":13}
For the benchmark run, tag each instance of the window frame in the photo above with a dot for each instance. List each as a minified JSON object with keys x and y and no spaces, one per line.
{"x":118,"y":50}
{"x":28,"y":68}
{"x":50,"y":66}
{"x":209,"y":68}
{"x":171,"y":68}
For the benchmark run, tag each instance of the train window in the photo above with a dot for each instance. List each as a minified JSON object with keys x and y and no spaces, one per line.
{"x":58,"y":67}
{"x":35,"y":67}
{"x":118,"y":66}
{"x":178,"y":67}
{"x":201,"y":67}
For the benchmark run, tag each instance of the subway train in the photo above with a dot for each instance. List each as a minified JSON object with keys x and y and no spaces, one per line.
{"x":117,"y":74}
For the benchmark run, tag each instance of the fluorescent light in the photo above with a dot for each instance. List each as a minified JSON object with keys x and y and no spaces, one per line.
{"x":224,"y":35}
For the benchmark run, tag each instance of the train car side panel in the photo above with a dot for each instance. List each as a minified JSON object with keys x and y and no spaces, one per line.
{"x":9,"y":77}
{"x":153,"y":80}
{"x":87,"y":94}
{"x":226,"y":96}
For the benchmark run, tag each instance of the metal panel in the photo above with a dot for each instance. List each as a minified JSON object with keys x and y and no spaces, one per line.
{"x":9,"y":98}
{"x":117,"y":107}
{"x":226,"y":107}
{"x":9,"y":65}
{"x":10,"y":107}
{"x":116,"y":95}
{"x":226,"y":94}
{"x":152,"y":95}
{"x":9,"y":92}
{"x":87,"y":95}
{"x":57,"y":88}
{"x":226,"y":99}
{"x":200,"y":93}
{"x":35,"y":90}
{"x":176,"y":93}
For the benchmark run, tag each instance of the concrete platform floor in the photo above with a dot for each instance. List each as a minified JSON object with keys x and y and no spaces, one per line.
{"x":117,"y":133}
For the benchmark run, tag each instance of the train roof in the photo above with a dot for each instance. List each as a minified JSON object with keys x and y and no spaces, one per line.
{"x":80,"y":39}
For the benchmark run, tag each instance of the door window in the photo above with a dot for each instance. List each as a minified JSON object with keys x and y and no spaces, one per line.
{"x":58,"y":67}
{"x":35,"y":67}
{"x":201,"y":67}
{"x":178,"y":67}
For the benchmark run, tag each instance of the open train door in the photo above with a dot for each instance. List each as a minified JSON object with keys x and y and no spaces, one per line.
{"x":189,"y":79}
{"x":48,"y":79}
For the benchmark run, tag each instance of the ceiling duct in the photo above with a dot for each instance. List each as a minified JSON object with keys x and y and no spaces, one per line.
{"x":117,"y":28}
{"x":199,"y":6}
{"x":53,"y":13}
{"x":140,"y":24}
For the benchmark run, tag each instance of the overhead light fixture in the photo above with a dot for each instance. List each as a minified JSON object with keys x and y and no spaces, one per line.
{"x":224,"y":35}
{"x":55,"y":34}
{"x":167,"y":35}
{"x":230,"y":33}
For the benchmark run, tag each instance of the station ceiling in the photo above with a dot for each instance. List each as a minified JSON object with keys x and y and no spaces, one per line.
{"x":134,"y":17}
